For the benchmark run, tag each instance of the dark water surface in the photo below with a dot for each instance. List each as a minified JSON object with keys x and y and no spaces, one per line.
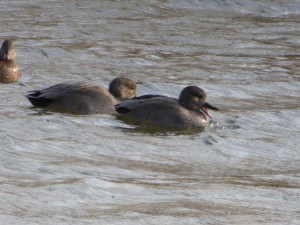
{"x":64,"y":169}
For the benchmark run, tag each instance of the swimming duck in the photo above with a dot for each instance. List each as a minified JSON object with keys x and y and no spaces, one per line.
{"x":84,"y":98}
{"x":189,"y":111}
{"x":9,"y":70}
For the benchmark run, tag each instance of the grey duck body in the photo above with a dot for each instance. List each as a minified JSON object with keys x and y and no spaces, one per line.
{"x":83,"y":98}
{"x":189,"y":111}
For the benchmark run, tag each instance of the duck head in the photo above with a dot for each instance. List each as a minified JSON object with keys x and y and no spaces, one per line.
{"x":194,"y":98}
{"x":7,"y":51}
{"x":122,"y":88}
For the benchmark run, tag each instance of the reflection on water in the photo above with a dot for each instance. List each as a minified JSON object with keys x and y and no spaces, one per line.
{"x":153,"y":129}
{"x":67,"y":169}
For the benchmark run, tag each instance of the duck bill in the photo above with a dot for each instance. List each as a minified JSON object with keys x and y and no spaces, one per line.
{"x":205,"y":108}
{"x":8,"y":56}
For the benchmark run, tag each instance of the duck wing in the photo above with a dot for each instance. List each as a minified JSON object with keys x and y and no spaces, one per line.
{"x":44,"y":97}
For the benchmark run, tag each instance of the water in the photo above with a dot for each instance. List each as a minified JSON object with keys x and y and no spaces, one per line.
{"x":97,"y":169}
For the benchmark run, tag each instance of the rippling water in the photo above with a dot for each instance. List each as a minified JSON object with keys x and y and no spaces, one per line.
{"x":66,"y":169}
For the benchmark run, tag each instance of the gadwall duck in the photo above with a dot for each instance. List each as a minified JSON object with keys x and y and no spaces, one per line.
{"x":9,"y":70}
{"x":83,"y":98}
{"x":189,"y":111}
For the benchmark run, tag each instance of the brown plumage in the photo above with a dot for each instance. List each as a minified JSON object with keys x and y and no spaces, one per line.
{"x":9,"y":70}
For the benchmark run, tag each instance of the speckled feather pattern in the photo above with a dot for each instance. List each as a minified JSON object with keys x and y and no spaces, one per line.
{"x":9,"y":70}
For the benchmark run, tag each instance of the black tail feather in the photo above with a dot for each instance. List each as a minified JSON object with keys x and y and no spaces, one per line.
{"x":38,"y":101}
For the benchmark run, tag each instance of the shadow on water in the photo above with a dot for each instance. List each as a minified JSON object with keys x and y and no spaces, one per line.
{"x":37,"y":111}
{"x":143,"y":127}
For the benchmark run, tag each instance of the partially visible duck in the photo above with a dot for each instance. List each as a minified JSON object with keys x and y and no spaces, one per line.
{"x":83,"y":98}
{"x":189,"y":111}
{"x":9,"y":70}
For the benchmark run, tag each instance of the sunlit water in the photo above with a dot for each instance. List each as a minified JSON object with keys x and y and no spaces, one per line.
{"x":243,"y":169}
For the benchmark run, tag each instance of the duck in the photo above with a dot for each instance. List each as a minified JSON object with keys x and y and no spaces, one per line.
{"x":9,"y":70}
{"x":188,"y":112}
{"x":83,"y":98}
